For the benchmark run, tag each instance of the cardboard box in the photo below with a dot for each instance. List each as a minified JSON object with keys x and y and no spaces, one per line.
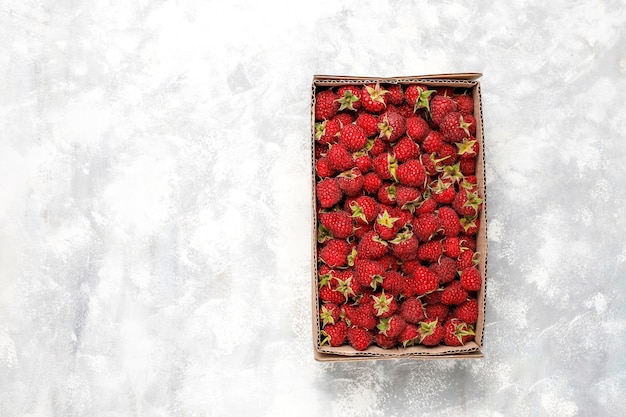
{"x":471,"y":349}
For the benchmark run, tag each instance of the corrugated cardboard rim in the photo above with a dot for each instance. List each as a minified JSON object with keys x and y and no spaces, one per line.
{"x":325,"y":357}
{"x":470,"y":76}
{"x":469,"y":351}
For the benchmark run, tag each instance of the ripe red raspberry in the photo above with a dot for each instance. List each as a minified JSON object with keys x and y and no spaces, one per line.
{"x":445,"y":268}
{"x":372,"y":183}
{"x":464,"y":104}
{"x":386,"y":225}
{"x":440,"y":106}
{"x":359,"y":338}
{"x":326,"y":131}
{"x":373,"y":98}
{"x":362,"y":316}
{"x":448,"y":153}
{"x":344,"y":118}
{"x":453,"y":294}
{"x":469,"y":241}
{"x":323,"y":169}
{"x":363,"y":161}
{"x":384,"y":305}
{"x":349,"y":97}
{"x":471,"y":121}
{"x":433,"y":297}
{"x":351,"y":182}
{"x":424,"y":280}
{"x":320,"y":150}
{"x":338,"y":223}
{"x":393,"y":282}
{"x":432,"y":165}
{"x":409,"y":336}
{"x":450,"y":222}
{"x":384,"y":341}
{"x":470,"y":182}
{"x":339,"y":158}
{"x":412,"y":310}
{"x":417,"y":128}
{"x":468,"y":166}
{"x":328,"y":290}
{"x":326,"y":105}
{"x":426,"y":225}
{"x":411,"y":173}
{"x":334,"y":253}
{"x":371,"y":246}
{"x":369,"y":123}
{"x":346,"y":283}
{"x":405,"y":216}
{"x":430,"y":332}
{"x":406,"y":149}
{"x":328,"y":192}
{"x":385,"y":166}
{"x":468,"y":311}
{"x":438,"y":311}
{"x":467,"y":203}
{"x":364,"y":209}
{"x":391,"y":326}
{"x":457,"y":333}
{"x":470,"y":279}
{"x":353,"y":137}
{"x":443,"y":191}
{"x":418,"y":96}
{"x":404,"y":110}
{"x":433,"y":142}
{"x":389,"y":263}
{"x":452,"y":246}
{"x":329,"y":313}
{"x":468,"y":258}
{"x":387,"y":193}
{"x":454,"y":128}
{"x":427,"y":205}
{"x":376,"y":146}
{"x":429,"y":252}
{"x":396,"y":95}
{"x":405,"y":245}
{"x":391,"y":126}
{"x":408,"y":267}
{"x":407,"y":197}
{"x":467,"y":148}
{"x":368,"y":273}
{"x":334,"y":334}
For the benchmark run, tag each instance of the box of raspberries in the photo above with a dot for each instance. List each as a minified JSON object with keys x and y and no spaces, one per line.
{"x":399,"y":232}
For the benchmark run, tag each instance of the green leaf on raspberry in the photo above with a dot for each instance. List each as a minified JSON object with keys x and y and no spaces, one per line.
{"x":381,"y":304}
{"x":323,"y":234}
{"x":386,"y":220}
{"x":345,"y":288}
{"x":325,"y":280}
{"x":376,"y":93}
{"x":461,"y":330}
{"x":327,"y":316}
{"x":452,"y":172}
{"x":423,"y":101}
{"x":347,"y":100}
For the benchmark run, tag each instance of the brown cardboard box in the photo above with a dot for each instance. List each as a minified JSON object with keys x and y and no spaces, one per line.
{"x":469,"y":350}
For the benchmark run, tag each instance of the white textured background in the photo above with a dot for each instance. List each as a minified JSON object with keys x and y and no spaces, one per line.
{"x":155,"y":220}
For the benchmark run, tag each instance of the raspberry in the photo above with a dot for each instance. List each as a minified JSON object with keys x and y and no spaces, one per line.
{"x":359,"y":338}
{"x":470,"y":279}
{"x":453,"y":294}
{"x":467,"y":311}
